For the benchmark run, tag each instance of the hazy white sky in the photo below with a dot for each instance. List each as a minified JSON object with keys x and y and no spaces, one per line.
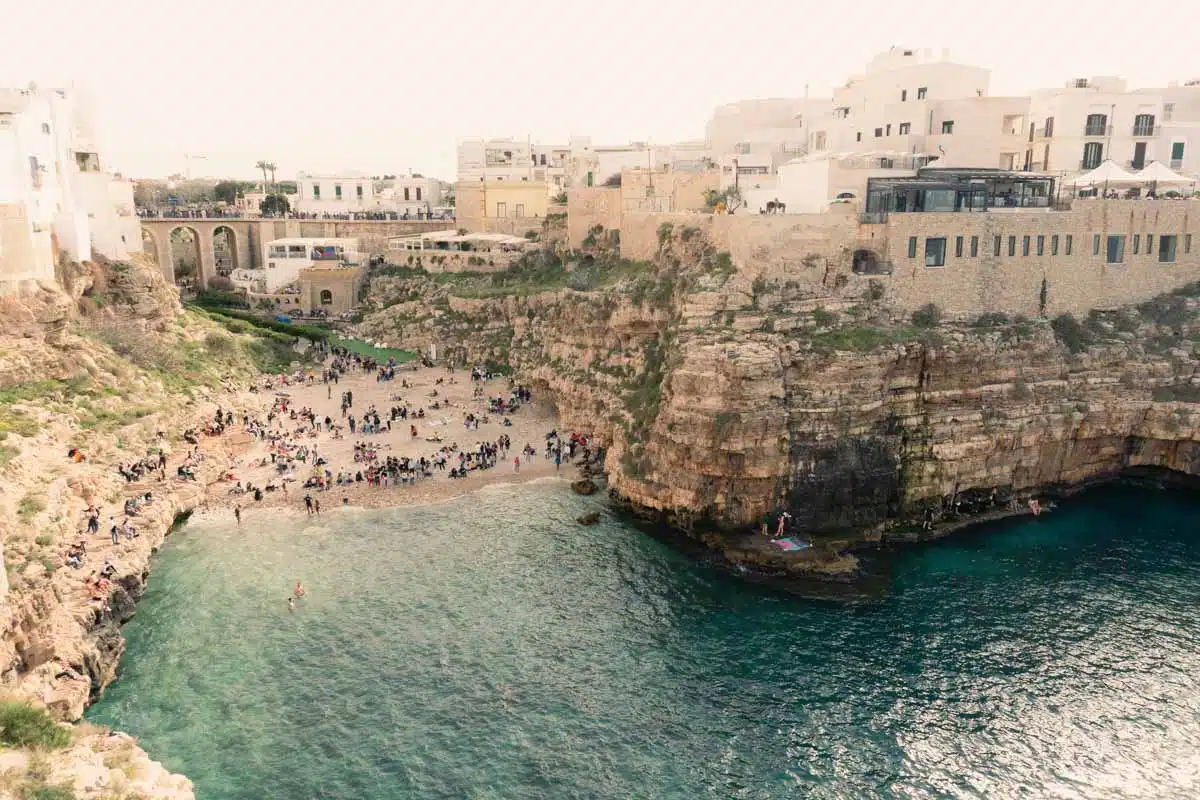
{"x":390,"y":86}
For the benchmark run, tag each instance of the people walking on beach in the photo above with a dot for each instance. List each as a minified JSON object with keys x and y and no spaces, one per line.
{"x":517,"y":464}
{"x":317,"y":507}
{"x":308,"y":504}
{"x":237,"y":514}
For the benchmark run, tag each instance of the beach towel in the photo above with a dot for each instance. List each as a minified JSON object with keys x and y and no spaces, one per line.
{"x":790,"y":544}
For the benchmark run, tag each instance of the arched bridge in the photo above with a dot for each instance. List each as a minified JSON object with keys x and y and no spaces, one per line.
{"x":241,"y":243}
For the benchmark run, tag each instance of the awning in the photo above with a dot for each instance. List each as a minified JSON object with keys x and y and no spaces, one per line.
{"x":1108,"y":172}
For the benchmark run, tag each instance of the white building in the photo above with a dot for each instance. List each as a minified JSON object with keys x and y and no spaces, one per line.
{"x":334,"y":194}
{"x":284,"y":258}
{"x":52,"y":190}
{"x":411,"y":196}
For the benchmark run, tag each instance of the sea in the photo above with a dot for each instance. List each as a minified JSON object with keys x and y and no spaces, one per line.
{"x":491,"y":647}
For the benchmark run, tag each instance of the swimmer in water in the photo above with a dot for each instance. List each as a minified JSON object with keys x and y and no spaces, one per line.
{"x":291,"y":604}
{"x":299,"y":590}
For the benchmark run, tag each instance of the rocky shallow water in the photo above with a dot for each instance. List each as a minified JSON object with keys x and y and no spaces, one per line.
{"x":490,"y":647}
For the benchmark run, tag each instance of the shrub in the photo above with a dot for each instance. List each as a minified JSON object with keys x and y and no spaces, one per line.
{"x":30,"y":506}
{"x":875,"y":290}
{"x":927,"y":316}
{"x":664,"y":233}
{"x":23,"y":725}
{"x":823,"y":318}
{"x":45,"y":540}
{"x":992,"y":319}
{"x":1068,"y":331}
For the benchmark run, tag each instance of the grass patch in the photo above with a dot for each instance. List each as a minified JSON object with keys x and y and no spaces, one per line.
{"x":30,"y":506}
{"x":7,"y":454}
{"x":371,"y":351}
{"x":22,"y":725}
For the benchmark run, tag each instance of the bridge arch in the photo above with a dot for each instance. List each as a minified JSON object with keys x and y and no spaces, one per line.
{"x":226,"y":252}
{"x":184,"y":247}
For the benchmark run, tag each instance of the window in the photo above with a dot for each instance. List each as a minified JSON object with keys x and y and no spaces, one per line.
{"x":358,"y":191}
{"x":1177,"y":154}
{"x":316,"y":191}
{"x":326,"y":297}
{"x":996,"y":246}
{"x":858,"y":136}
{"x":1053,"y":245}
{"x":418,"y":193}
{"x":1137,"y":243}
{"x":922,"y":92}
{"x":1096,"y":125}
{"x":406,"y":193}
{"x":935,"y":252}
{"x":1187,"y":243}
{"x":46,"y":128}
{"x":1149,"y":243}
{"x":903,"y":95}
{"x":1046,"y":158}
{"x":1012,"y":246}
{"x":905,"y":128}
{"x":35,"y":172}
{"x":1048,"y":132}
{"x":912,"y":247}
{"x":1168,"y":111}
{"x":948,"y":126}
{"x":1166,"y":249}
{"x":501,"y":209}
{"x":974,"y":246}
{"x":958,"y":246}
{"x":1115,"y":252}
{"x":1143,"y":125}
{"x":1025,"y":246}
{"x":1041,"y":245}
{"x":878,"y":132}
{"x":1067,"y":244}
{"x":889,"y":129}
{"x":337,"y":191}
{"x":1096,"y":244}
{"x":520,"y":209}
{"x":1093,"y":154}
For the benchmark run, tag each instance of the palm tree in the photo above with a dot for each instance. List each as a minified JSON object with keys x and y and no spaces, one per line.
{"x":264,"y":166}
{"x":271,"y":166}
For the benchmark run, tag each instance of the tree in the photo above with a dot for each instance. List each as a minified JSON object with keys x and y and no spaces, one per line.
{"x":613,"y":180}
{"x":264,"y":166}
{"x":271,"y":168}
{"x":274,"y":205}
{"x":726,"y":201}
{"x":227,"y":191}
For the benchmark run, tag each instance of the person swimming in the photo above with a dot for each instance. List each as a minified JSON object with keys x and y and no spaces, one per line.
{"x":291,"y":604}
{"x":299,"y":590}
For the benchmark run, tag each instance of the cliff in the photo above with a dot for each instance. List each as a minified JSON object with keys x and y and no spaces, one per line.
{"x":102,"y":361}
{"x":725,"y":396}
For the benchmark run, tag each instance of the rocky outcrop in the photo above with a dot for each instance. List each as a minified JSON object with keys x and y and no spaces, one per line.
{"x":724,"y":399}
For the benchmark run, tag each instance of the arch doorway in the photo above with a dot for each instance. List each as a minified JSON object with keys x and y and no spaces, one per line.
{"x":185,"y":259}
{"x":326,"y":297}
{"x":225,"y":251}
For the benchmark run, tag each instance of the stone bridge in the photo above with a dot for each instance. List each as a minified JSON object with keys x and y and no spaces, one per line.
{"x":247,"y":238}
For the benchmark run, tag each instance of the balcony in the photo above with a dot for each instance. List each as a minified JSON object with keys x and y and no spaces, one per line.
{"x":1089,"y":163}
{"x":1135,"y":164}
{"x":1143,"y":130}
{"x":1176,"y":163}
{"x":1097,"y":130}
{"x":873,"y":217}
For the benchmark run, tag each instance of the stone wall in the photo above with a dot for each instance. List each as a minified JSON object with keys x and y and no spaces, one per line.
{"x":817,"y":248}
{"x":589,"y":207}
{"x":1075,"y":282}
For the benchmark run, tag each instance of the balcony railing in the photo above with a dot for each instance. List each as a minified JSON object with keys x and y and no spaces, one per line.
{"x":1097,"y":130}
{"x":873,"y":217}
{"x":1143,"y":130}
{"x":1135,"y":164}
{"x":1176,"y":163}
{"x":1090,"y":164}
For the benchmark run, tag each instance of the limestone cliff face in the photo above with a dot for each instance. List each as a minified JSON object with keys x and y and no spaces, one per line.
{"x":724,"y":397}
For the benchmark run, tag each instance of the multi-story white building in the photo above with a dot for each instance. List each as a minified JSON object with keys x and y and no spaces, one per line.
{"x":53,"y":193}
{"x":286,"y":257}
{"x":410,"y":195}
{"x":334,"y":194}
{"x":1092,"y":120}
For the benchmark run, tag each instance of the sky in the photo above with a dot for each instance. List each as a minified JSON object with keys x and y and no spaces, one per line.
{"x":387,"y":87}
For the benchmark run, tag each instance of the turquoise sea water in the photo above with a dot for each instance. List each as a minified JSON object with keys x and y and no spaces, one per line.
{"x":492,"y":648}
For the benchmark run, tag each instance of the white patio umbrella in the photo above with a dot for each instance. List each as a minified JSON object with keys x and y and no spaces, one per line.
{"x":1157,"y":174}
